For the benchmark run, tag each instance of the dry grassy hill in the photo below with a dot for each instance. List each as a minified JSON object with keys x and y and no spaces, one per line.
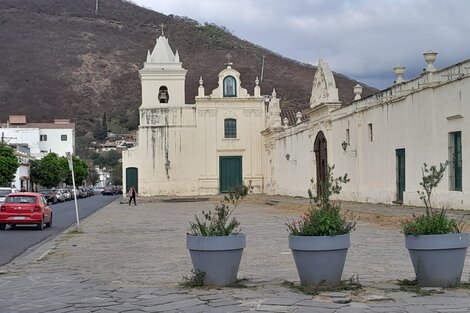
{"x":60,"y":60}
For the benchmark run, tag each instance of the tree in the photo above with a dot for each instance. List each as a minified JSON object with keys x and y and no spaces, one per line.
{"x":104,"y":124}
{"x":430,"y":178}
{"x":100,"y":131}
{"x":132,"y":119}
{"x":80,"y":169}
{"x":34,"y":171}
{"x":8,"y":165}
{"x":108,"y":159}
{"x":116,"y":127}
{"x":116,"y":175}
{"x":47,"y":172}
{"x":93,"y":176}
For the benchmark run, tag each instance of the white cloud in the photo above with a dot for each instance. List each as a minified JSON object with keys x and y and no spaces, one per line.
{"x":363,"y":39}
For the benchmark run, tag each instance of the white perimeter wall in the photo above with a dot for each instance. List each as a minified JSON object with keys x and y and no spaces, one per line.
{"x":420,"y":123}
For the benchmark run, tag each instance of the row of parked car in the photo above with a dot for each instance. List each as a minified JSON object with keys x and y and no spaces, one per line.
{"x":23,"y":208}
{"x":54,"y":196}
{"x":111,"y":191}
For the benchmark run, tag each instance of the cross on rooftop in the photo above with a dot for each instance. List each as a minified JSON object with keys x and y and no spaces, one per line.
{"x":229,"y":57}
{"x":161,"y":27}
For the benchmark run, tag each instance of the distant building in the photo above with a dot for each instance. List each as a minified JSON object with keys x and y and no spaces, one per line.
{"x":104,"y":177}
{"x":21,"y":179}
{"x":34,"y":141}
{"x":228,"y":137}
{"x":41,"y":138}
{"x":108,"y":146}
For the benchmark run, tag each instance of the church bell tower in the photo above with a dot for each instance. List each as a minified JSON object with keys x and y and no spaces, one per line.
{"x":162,"y":77}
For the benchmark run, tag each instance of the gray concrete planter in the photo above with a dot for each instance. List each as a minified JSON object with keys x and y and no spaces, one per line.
{"x":320,"y":259}
{"x":437,"y":259}
{"x":217,"y":256}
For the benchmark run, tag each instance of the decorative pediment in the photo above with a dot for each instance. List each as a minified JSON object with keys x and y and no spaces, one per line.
{"x":229,"y":85}
{"x":324,"y":86}
{"x":273,"y":118}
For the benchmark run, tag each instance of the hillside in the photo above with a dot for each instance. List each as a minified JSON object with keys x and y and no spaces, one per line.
{"x":60,"y":60}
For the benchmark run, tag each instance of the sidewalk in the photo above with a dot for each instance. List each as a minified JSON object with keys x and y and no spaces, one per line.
{"x":131,"y":259}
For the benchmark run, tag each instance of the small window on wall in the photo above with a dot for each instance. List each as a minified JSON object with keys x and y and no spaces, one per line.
{"x":42,"y":137}
{"x":163,"y":95}
{"x":63,"y":137}
{"x":371,"y":132}
{"x":347,"y":136}
{"x":230,"y":86}
{"x":455,"y":158}
{"x":230,"y":128}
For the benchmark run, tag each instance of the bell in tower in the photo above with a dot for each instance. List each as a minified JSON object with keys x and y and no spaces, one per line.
{"x":163,"y":96}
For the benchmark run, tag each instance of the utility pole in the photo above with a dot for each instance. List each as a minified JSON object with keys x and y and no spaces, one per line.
{"x":97,"y":7}
{"x":262,"y":69}
{"x":7,"y":138}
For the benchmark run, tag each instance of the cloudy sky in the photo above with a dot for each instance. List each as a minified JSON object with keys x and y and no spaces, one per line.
{"x":364,"y":39}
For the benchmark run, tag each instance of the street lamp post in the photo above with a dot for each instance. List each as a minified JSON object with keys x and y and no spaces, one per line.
{"x":70,"y":161}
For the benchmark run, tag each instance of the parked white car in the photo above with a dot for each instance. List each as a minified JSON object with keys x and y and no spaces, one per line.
{"x":67,"y":194}
{"x":59,"y":194}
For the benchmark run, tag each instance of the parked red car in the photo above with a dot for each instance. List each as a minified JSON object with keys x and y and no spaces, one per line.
{"x":25,"y":208}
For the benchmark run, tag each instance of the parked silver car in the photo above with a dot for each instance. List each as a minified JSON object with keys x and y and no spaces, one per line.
{"x":82,"y":193}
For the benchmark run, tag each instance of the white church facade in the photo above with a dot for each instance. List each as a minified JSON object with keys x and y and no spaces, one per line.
{"x":192,"y":149}
{"x":230,"y":136}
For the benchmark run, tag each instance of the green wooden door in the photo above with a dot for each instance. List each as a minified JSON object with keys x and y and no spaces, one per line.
{"x":400,"y":156}
{"x":230,"y":171}
{"x":457,"y":160}
{"x":132,"y":178}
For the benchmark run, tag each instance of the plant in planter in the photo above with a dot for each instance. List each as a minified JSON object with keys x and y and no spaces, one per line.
{"x":215,"y":242}
{"x":320,"y":239}
{"x":436,"y":245}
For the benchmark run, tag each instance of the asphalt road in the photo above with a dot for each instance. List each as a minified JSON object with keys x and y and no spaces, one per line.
{"x":14,"y":242}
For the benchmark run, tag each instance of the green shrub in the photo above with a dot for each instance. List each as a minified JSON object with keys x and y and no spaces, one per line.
{"x":432,"y":222}
{"x":324,"y":217}
{"x":220,"y":222}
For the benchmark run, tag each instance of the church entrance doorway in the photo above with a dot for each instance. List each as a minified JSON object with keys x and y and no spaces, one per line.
{"x":321,"y":157}
{"x":132,"y":178}
{"x":230,"y":171}
{"x":400,"y":156}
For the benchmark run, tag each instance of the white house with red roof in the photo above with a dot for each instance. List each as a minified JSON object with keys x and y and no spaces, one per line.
{"x":41,"y":138}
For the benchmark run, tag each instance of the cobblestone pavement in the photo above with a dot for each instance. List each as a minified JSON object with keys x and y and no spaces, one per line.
{"x":131,"y":259}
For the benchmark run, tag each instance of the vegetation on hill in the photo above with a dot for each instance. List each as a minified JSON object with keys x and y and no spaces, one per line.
{"x":60,"y":60}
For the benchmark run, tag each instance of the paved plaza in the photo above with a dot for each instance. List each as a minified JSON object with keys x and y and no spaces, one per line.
{"x":132,"y":259}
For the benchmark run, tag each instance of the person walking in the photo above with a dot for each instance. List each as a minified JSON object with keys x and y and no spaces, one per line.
{"x":132,"y":194}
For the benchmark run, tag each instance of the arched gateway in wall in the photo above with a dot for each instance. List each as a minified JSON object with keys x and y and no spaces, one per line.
{"x":321,"y":157}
